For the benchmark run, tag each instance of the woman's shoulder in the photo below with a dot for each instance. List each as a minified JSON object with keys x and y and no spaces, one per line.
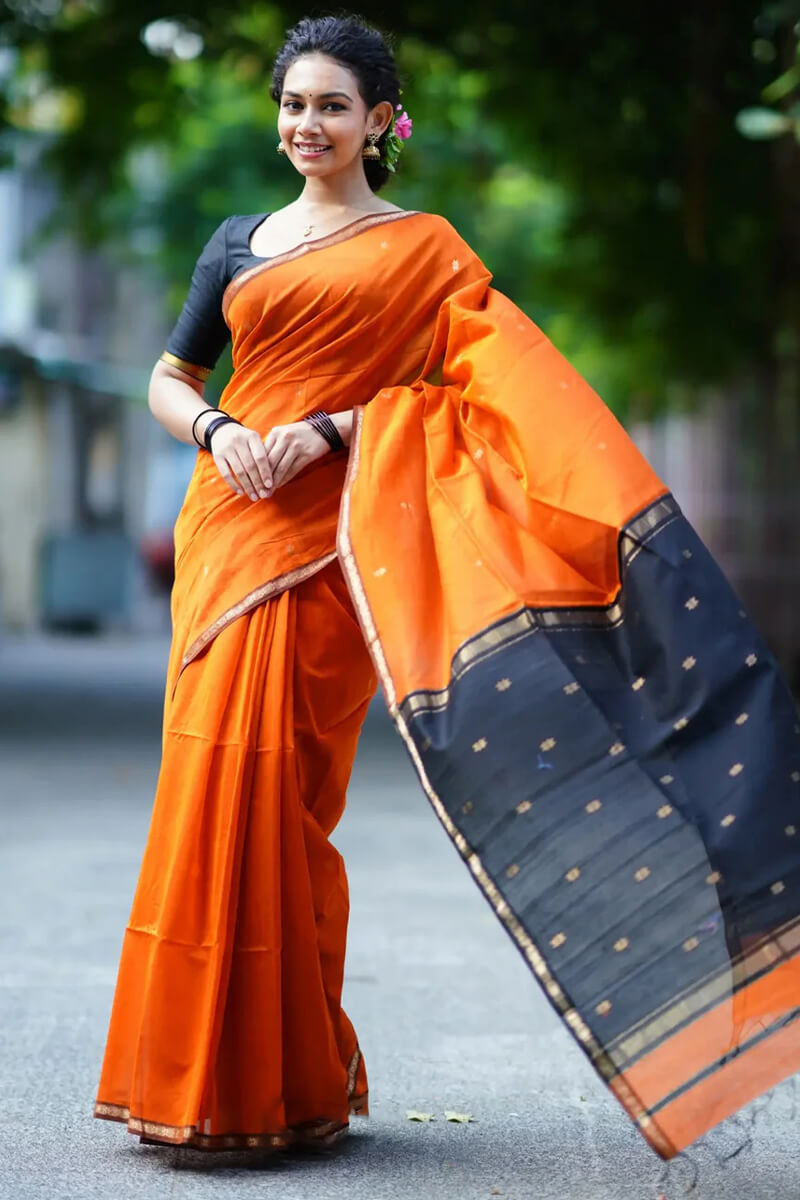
{"x":443,"y":231}
{"x":438,"y":222}
{"x":242,"y":225}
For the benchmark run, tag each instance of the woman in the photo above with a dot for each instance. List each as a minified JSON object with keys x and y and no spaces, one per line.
{"x":600,"y":729}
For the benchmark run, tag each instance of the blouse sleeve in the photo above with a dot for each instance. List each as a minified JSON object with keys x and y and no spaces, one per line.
{"x":200,"y":333}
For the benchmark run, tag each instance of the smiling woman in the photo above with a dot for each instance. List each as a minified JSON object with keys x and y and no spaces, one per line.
{"x":599,"y":728}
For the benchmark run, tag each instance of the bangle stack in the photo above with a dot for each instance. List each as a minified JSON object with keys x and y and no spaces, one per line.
{"x":222,"y":418}
{"x":322,"y":423}
{"x":202,"y":413}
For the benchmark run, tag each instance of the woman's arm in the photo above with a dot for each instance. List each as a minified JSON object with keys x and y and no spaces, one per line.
{"x":175,"y":400}
{"x":249,"y":464}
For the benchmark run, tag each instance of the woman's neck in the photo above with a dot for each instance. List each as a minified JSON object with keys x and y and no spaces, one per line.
{"x":337,"y":193}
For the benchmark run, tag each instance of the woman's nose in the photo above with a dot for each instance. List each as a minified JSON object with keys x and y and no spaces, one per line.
{"x":309,"y":122}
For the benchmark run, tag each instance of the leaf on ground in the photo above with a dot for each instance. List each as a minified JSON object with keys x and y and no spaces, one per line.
{"x":413,"y":1115}
{"x":496,"y":1192}
{"x":459,"y":1118}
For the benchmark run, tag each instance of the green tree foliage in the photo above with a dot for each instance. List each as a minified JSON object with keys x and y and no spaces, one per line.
{"x":590,"y":152}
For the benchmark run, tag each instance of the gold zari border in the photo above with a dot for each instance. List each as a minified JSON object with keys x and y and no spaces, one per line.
{"x":533,"y":956}
{"x":172,"y":360}
{"x":265,"y":591}
{"x":527,"y":621}
{"x":317,"y":1133}
{"x":352,"y":229}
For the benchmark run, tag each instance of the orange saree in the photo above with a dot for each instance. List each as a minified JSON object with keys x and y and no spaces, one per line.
{"x":600,"y":729}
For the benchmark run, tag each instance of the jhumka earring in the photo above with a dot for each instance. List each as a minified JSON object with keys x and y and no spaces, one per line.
{"x":371,"y":148}
{"x":280,"y":148}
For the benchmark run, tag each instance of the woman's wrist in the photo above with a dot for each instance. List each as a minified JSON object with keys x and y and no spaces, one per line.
{"x":344,"y":423}
{"x":200,"y":424}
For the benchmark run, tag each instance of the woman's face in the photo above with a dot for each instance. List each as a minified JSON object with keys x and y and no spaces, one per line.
{"x":323,"y":121}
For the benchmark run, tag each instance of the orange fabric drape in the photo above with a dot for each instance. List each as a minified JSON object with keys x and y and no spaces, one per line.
{"x":600,"y":729}
{"x":227,"y":1027}
{"x":560,"y":655}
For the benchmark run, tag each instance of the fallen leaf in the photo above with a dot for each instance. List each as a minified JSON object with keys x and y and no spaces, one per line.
{"x":496,"y":1192}
{"x":459,"y":1118}
{"x":413,"y":1115}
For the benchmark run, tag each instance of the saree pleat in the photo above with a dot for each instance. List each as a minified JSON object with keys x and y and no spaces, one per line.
{"x":227,"y":1027}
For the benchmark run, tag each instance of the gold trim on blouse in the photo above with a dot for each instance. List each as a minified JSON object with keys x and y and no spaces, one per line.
{"x":201,"y":373}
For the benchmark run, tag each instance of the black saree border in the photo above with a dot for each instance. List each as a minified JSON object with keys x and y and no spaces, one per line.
{"x":529,"y":620}
{"x":344,"y":234}
{"x":719,"y":1063}
{"x":703,"y":996}
{"x":530,"y":951}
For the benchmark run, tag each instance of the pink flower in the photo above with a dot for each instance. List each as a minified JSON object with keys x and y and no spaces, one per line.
{"x":403,"y":126}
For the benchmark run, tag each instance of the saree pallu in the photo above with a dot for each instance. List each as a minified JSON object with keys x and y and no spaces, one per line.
{"x":598,"y":726}
{"x":600,"y":729}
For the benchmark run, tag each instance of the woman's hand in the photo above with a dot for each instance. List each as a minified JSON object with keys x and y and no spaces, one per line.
{"x":242,"y":461}
{"x":289,"y":448}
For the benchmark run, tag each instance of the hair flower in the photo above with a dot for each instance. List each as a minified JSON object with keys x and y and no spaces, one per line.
{"x":400,"y":131}
{"x":403,"y":125}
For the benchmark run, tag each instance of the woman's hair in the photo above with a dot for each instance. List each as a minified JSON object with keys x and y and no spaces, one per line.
{"x":360,"y":48}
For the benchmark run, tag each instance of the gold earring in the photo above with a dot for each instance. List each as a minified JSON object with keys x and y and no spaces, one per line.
{"x":280,"y":148}
{"x":371,"y":148}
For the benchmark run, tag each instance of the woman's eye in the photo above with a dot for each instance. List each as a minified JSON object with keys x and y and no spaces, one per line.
{"x":295,"y":104}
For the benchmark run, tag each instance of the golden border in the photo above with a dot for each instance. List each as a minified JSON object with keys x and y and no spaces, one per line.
{"x":343,"y":234}
{"x":530,"y":620}
{"x":201,"y":373}
{"x":530,"y":951}
{"x":780,"y":946}
{"x":316,"y":1133}
{"x":265,"y":591}
{"x":322,"y":1133}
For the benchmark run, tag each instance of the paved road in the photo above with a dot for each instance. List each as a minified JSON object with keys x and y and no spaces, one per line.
{"x":447,"y":1014}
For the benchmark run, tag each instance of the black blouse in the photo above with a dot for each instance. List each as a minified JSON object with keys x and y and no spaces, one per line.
{"x":200,"y":333}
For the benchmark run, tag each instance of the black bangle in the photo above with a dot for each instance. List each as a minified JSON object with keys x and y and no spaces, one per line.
{"x":202,"y":413}
{"x":214,"y":424}
{"x":326,"y":428}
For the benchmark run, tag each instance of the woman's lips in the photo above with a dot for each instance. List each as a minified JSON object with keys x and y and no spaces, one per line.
{"x":310,"y":150}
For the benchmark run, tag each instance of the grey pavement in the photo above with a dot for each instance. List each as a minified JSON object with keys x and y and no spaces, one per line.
{"x":446,"y":1012}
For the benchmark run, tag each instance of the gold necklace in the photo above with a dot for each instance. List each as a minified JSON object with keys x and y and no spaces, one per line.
{"x":310,"y":227}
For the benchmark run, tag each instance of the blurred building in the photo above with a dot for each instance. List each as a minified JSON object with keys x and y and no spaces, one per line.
{"x":86,"y":475}
{"x":90,"y":485}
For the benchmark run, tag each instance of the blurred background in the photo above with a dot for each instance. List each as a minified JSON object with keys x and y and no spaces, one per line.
{"x":630,"y":173}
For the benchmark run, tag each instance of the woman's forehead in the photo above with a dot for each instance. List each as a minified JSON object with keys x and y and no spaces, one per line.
{"x":316,"y":73}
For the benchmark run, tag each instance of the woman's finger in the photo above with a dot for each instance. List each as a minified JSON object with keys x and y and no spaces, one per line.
{"x":248,"y":478}
{"x":261,"y":460}
{"x":276,"y":452}
{"x":228,"y":475}
{"x":294,"y":468}
{"x":272,"y":437}
{"x":284,"y":470}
